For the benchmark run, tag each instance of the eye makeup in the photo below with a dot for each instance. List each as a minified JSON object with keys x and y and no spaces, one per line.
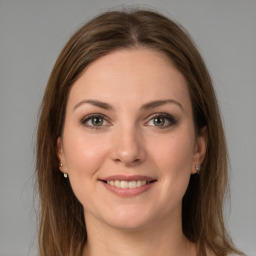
{"x":94,"y":121}
{"x":162,"y":120}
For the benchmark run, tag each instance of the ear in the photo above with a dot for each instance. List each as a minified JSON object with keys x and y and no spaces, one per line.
{"x":200,"y":148}
{"x":60,"y":155}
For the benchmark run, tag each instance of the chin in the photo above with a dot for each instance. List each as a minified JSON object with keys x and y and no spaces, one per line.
{"x":128,"y":224}
{"x":129,"y":220}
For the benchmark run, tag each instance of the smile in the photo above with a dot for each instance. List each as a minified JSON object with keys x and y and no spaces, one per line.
{"x":128,"y":186}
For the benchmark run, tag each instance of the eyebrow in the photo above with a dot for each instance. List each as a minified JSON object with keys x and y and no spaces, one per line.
{"x":96,"y":103}
{"x":149,"y":105}
{"x":158,"y":103}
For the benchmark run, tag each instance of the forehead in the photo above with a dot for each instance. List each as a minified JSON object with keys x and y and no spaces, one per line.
{"x":131,"y":75}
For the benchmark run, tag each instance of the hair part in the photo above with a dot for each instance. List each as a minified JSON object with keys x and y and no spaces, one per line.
{"x":62,"y":226}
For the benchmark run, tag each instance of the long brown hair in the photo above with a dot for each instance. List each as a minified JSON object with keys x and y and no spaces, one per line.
{"x":62,"y":228}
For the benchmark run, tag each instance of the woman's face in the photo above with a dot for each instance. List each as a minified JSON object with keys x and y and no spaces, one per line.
{"x":128,"y":143}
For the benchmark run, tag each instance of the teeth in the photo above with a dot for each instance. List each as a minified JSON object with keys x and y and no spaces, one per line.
{"x":132,"y":184}
{"x":117,"y":183}
{"x":124,"y":184}
{"x":127,"y":184}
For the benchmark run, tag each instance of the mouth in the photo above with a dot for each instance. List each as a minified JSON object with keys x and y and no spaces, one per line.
{"x":128,"y":185}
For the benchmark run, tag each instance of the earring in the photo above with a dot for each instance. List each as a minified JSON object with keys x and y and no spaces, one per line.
{"x":198,"y":168}
{"x":65,"y":174}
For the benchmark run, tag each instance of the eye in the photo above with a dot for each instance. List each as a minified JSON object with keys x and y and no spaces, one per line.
{"x":162,"y":120}
{"x":94,"y":121}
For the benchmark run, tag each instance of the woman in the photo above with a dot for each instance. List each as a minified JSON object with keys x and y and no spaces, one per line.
{"x":131,"y":154}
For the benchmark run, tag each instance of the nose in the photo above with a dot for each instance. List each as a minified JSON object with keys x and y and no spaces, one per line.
{"x":128,"y":147}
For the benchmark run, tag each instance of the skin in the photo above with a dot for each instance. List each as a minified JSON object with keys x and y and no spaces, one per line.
{"x":130,"y":140}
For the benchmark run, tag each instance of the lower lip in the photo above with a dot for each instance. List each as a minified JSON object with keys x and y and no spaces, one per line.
{"x":128,"y":192}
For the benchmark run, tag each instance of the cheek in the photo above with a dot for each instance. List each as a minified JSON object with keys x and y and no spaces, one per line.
{"x":84,"y":154}
{"x":173,"y":159}
{"x":175,"y":153}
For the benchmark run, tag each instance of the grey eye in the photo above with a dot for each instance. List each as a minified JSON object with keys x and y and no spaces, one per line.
{"x":97,"y":121}
{"x":94,"y":121}
{"x":162,"y":120}
{"x":159,"y":121}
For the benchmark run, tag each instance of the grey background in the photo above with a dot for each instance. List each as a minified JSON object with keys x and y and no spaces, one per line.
{"x":32,"y":34}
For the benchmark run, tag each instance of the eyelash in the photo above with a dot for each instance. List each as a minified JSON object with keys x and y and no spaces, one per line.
{"x":85,"y":120}
{"x":170,"y":119}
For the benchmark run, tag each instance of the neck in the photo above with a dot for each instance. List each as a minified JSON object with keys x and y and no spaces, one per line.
{"x":154,"y":240}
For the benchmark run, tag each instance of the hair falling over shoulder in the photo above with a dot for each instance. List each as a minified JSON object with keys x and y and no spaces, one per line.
{"x":62,"y":229}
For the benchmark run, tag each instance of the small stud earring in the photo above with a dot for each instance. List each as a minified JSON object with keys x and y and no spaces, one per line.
{"x":65,"y":175}
{"x":198,"y":168}
{"x":60,"y":165}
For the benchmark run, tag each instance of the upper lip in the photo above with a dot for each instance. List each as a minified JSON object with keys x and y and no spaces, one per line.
{"x":128,"y":178}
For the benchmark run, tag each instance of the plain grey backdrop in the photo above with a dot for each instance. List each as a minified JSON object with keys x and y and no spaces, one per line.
{"x":32,"y":33}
